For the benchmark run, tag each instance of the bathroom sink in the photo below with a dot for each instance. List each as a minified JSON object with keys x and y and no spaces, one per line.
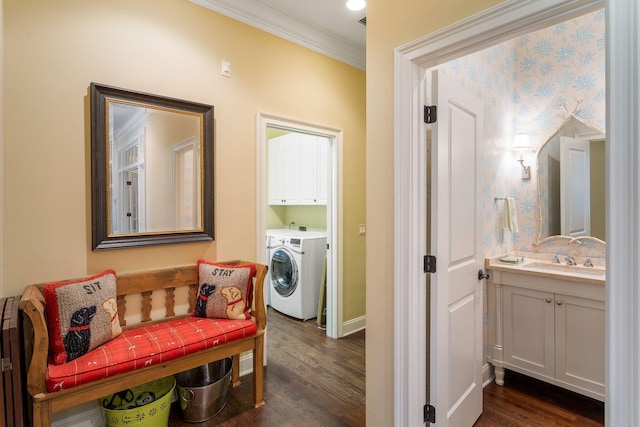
{"x":596,"y":272}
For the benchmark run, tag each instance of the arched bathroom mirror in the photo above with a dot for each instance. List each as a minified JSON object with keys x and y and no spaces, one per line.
{"x":151,"y":169}
{"x":571,"y":182}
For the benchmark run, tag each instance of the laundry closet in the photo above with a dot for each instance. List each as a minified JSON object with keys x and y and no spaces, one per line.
{"x":296,"y":222}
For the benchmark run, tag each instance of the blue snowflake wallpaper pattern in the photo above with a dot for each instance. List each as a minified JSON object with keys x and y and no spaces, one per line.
{"x":527,"y":85}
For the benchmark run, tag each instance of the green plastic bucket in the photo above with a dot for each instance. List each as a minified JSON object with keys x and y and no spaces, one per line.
{"x":146,"y":405}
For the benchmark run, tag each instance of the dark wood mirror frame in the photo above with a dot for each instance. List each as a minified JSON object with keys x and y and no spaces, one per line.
{"x":101,"y":239}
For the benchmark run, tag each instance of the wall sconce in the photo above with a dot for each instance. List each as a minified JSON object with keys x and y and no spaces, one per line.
{"x":520,"y":145}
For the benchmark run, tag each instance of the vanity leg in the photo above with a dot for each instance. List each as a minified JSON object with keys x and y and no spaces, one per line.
{"x":497,"y":348}
{"x":499,"y":375}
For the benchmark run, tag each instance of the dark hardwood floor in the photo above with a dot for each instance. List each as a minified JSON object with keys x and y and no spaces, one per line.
{"x":524,"y":401}
{"x":312,"y":380}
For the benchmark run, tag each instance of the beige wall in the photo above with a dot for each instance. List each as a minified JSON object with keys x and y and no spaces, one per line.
{"x":2,"y":263}
{"x":54,"y":49}
{"x":390,"y":24}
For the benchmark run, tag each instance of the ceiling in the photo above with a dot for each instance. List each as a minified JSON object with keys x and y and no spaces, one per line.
{"x":325,"y":26}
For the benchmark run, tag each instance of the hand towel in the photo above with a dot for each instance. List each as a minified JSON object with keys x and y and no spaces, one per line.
{"x":510,"y":215}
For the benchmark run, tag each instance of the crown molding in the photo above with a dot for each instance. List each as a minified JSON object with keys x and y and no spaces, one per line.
{"x":289,"y":28}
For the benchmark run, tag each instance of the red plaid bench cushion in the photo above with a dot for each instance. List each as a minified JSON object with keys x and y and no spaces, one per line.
{"x":146,"y":346}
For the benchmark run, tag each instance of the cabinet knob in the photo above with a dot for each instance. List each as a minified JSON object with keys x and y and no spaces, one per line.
{"x":548,"y":300}
{"x":559,"y":302}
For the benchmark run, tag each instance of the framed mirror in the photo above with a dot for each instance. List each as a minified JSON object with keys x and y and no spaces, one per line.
{"x":571,"y":182}
{"x":151,"y":169}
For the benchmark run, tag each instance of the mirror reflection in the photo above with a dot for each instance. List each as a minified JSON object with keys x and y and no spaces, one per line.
{"x":152,"y":169}
{"x":155,"y":169}
{"x":571,"y":182}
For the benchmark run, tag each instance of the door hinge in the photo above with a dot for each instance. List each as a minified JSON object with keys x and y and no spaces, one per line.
{"x":6,"y":364}
{"x":327,"y":246}
{"x":429,"y":414}
{"x":429,"y":264}
{"x":430,"y":114}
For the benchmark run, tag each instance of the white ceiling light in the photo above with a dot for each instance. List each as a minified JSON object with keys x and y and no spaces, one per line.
{"x":356,"y":4}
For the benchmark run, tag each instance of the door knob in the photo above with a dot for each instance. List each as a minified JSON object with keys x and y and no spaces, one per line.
{"x":482,"y":275}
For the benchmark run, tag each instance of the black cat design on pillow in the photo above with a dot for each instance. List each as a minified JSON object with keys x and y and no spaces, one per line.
{"x":78,"y":338}
{"x":206,"y":291}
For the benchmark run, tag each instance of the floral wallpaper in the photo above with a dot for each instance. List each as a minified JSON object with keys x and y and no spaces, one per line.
{"x":529,"y":85}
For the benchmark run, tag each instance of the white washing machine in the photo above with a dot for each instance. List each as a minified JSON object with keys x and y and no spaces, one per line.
{"x":296,"y":259}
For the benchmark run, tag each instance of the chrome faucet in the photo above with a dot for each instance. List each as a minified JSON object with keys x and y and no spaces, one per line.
{"x":570,"y":260}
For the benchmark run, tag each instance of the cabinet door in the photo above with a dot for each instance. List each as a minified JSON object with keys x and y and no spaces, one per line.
{"x":580,"y":342}
{"x":529,"y":330}
{"x":276,"y":169}
{"x":308,"y":178}
{"x":284,"y":170}
{"x":323,"y":169}
{"x":291,"y":168}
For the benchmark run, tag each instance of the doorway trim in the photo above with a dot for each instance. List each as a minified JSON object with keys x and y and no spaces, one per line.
{"x":492,"y":26}
{"x":334,"y":290}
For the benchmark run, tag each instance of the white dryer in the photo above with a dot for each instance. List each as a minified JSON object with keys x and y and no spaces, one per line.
{"x":296,"y":259}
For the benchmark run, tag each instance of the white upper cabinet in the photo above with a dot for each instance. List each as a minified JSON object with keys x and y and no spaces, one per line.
{"x":298,"y":170}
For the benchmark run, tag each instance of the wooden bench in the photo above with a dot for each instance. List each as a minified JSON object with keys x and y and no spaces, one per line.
{"x":143,"y":284}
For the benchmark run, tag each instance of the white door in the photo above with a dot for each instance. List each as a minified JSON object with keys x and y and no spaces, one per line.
{"x":456,"y":305}
{"x":575,"y":187}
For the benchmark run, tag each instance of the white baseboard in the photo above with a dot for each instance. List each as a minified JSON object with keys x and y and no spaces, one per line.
{"x":487,"y":374}
{"x":85,"y":415}
{"x":354,"y":325}
{"x":246,"y":363}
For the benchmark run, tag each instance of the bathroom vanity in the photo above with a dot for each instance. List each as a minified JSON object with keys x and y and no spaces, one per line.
{"x":547,"y":321}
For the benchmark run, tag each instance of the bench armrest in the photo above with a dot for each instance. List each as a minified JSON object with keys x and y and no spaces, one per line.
{"x":32,"y":304}
{"x":259,"y":308}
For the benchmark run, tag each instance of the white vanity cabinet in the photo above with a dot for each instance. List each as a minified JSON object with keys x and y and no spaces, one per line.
{"x":549,"y":328}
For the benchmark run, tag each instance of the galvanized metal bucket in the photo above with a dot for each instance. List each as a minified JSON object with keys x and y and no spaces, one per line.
{"x":202,"y":391}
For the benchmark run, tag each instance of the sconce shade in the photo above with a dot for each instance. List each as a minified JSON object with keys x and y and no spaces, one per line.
{"x":521,"y":142}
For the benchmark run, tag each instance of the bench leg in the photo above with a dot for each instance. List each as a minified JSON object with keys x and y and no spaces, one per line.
{"x":41,"y":413}
{"x":235,"y":370}
{"x":258,"y":372}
